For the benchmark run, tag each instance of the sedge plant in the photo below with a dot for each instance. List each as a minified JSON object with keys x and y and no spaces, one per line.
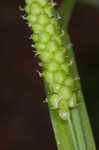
{"x":61,"y":80}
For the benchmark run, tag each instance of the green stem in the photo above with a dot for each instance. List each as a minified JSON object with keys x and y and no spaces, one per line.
{"x":78,"y":130}
{"x":76,"y":146}
{"x":84,"y":124}
{"x":62,"y":132}
{"x":65,"y":10}
{"x":80,"y":118}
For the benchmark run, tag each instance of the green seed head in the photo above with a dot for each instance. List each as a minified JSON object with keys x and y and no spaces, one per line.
{"x":43,"y":19}
{"x":52,"y":66}
{"x":59,"y":57}
{"x":40,"y":46}
{"x":73,"y":101}
{"x":65,"y":93}
{"x":56,"y":87}
{"x":31,"y":19}
{"x":41,"y":2}
{"x":64,"y":115}
{"x":58,"y":39}
{"x":65,"y":67}
{"x":53,"y":101}
{"x":59,"y":77}
{"x":44,"y":37}
{"x":63,"y":105}
{"x":37,"y":28}
{"x":28,"y":1}
{"x":69,"y":81}
{"x":52,"y":46}
{"x":49,"y":11}
{"x":51,"y":29}
{"x":27,"y":8}
{"x":45,"y":57}
{"x":34,"y":37}
{"x":54,"y":21}
{"x":35,"y":9}
{"x":48,"y":76}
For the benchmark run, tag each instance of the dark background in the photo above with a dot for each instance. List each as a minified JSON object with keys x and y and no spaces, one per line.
{"x":24,"y":119}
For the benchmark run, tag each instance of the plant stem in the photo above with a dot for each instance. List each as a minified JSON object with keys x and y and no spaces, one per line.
{"x":80,"y":118}
{"x":62,"y":132}
{"x":76,"y":146}
{"x":78,"y":130}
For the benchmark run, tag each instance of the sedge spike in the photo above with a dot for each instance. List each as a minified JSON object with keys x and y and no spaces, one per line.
{"x":52,"y":53}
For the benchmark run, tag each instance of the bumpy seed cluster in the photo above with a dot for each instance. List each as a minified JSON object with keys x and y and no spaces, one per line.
{"x":49,"y":45}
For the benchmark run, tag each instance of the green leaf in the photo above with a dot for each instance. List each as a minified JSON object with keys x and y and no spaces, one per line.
{"x":80,"y":119}
{"x":65,"y":10}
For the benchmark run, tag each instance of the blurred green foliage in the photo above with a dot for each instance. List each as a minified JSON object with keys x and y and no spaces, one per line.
{"x":94,"y":2}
